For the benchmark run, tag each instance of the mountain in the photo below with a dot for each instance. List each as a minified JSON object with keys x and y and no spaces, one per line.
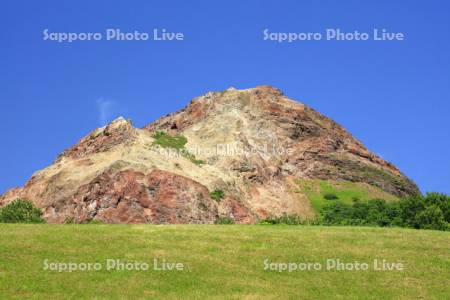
{"x":240,"y":154}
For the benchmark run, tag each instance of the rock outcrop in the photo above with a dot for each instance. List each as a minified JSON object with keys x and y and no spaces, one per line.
{"x":250,"y":144}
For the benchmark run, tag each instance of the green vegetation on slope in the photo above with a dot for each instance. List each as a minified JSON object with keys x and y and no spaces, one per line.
{"x":224,"y":221}
{"x":222,"y":262}
{"x":345,"y":207}
{"x":217,"y":195}
{"x":288,"y":220}
{"x":168,"y":141}
{"x":318,"y":191}
{"x":429,"y":212}
{"x":176,"y":142}
{"x":20,"y":211}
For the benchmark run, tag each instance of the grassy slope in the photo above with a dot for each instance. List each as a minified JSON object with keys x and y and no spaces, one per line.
{"x":345,"y":190}
{"x":175,"y":142}
{"x":222,"y":262}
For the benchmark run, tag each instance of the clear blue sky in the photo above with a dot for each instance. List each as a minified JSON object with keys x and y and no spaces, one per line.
{"x":393,"y":96}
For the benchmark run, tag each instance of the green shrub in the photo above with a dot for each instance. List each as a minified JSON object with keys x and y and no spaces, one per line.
{"x":330,"y":196}
{"x":217,"y":195}
{"x":94,"y":221}
{"x":431,"y":211}
{"x":224,"y":221}
{"x":21,"y":211}
{"x":336,"y":214}
{"x":420,"y":212}
{"x":431,"y":217}
{"x":69,"y":220}
{"x":375,"y":212}
{"x":269,"y":221}
{"x":72,"y":220}
{"x":440,"y":200}
{"x":284,"y":219}
{"x":409,"y":208}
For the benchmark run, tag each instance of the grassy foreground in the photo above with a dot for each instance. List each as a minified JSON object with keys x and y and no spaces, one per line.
{"x":222,"y":262}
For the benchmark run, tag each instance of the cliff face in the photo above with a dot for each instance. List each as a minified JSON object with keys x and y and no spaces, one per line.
{"x":249,"y":144}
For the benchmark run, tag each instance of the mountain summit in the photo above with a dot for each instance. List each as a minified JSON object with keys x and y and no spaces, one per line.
{"x":239,"y":154}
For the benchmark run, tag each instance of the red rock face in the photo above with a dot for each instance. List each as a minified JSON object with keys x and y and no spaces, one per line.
{"x":177,"y":199}
{"x":132,"y":197}
{"x":176,"y":122}
{"x":237,"y":211}
{"x":118,"y":132}
{"x":113,"y":198}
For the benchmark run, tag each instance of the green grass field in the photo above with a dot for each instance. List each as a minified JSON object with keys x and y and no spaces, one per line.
{"x":221,"y":262}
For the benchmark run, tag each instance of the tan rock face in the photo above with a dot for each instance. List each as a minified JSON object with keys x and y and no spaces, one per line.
{"x":253,"y":143}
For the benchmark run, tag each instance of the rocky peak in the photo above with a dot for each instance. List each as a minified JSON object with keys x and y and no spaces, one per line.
{"x":100,"y":140}
{"x":250,"y":144}
{"x":313,"y":145}
{"x":119,"y":122}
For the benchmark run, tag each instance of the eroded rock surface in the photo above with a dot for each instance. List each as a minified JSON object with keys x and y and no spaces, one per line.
{"x":252,"y":144}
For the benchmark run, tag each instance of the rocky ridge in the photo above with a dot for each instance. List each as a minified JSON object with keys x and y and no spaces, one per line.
{"x":251,"y":144}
